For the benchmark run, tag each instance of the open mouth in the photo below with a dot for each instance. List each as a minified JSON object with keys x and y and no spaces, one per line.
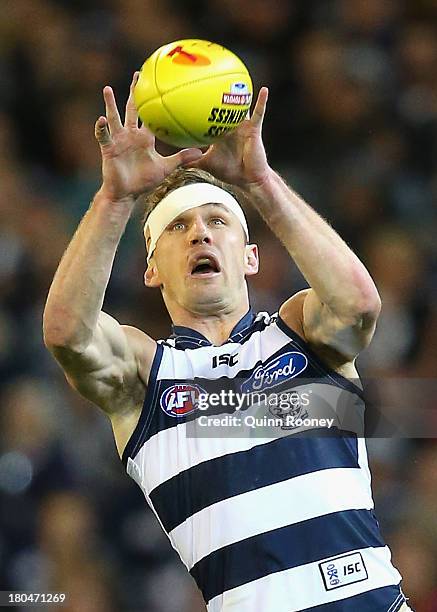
{"x":205,"y":266}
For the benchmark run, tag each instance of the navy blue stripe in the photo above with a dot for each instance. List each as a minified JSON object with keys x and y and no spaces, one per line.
{"x":372,"y":601}
{"x":305,"y":348}
{"x":243,"y":471}
{"x":185,"y":337}
{"x":182,"y":342}
{"x":284,"y":548}
{"x":140,"y":432}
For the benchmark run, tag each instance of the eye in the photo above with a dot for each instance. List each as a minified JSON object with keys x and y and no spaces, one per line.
{"x":217,"y":221}
{"x":178,"y":226}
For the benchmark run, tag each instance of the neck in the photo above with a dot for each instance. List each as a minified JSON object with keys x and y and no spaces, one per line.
{"x":217,"y":326}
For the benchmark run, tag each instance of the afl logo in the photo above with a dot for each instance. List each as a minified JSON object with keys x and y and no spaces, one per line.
{"x":180,"y":400}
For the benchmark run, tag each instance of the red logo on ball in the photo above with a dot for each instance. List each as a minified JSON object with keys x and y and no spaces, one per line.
{"x":179,"y":56}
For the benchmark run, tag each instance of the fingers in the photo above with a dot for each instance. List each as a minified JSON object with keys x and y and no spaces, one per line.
{"x":101,"y":131}
{"x":111,"y":124}
{"x":112,"y":114}
{"x":202,"y":160}
{"x":131,"y":117}
{"x":182,"y":158}
{"x":260,"y":108}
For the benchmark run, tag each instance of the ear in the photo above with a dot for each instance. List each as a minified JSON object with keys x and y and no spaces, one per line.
{"x":251,"y":260}
{"x":151,"y":275}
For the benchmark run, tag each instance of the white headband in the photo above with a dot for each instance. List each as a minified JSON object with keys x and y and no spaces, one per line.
{"x":184,"y":198}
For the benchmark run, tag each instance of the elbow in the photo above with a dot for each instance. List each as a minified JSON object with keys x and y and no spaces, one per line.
{"x":53,"y":327}
{"x":365,"y":300}
{"x":54,"y":336}
{"x":369,"y":306}
{"x":61,"y":344}
{"x":53,"y":340}
{"x":366,"y":310}
{"x":59,"y":333}
{"x":372,"y":303}
{"x":51,"y":330}
{"x":361,"y":308}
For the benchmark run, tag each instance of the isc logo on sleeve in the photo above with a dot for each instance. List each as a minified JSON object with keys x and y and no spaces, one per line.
{"x":343,"y":570}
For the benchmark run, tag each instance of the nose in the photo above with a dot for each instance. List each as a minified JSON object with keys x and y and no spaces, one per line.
{"x":199,"y":233}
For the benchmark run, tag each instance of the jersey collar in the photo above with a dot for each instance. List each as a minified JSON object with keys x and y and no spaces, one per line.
{"x":185,"y":337}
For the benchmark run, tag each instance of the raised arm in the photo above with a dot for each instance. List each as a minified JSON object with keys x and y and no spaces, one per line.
{"x":338,"y":314}
{"x":107,"y":362}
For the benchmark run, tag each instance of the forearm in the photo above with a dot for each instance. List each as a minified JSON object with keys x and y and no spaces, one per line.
{"x":330,"y":267}
{"x":76,"y":295}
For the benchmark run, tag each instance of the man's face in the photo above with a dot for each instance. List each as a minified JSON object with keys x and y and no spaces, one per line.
{"x":201,"y":259}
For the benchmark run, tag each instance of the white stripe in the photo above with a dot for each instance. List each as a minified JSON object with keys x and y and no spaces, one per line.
{"x":169,"y":452}
{"x":396,"y":603}
{"x":302,"y":587}
{"x":363,"y":462}
{"x":271,"y":507}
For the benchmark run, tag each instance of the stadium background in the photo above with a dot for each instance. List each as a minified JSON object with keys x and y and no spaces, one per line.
{"x":351,"y":123}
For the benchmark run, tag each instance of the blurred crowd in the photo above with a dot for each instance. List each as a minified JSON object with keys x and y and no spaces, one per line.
{"x":351,"y":125}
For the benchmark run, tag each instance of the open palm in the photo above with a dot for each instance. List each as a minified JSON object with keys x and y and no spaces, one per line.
{"x":130,"y":163}
{"x":239,"y":157}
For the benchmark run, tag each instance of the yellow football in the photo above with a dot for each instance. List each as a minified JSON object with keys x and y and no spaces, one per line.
{"x":191,"y":92}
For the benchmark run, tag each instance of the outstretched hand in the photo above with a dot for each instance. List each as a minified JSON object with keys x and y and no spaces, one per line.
{"x":130,"y":163}
{"x":239,"y":157}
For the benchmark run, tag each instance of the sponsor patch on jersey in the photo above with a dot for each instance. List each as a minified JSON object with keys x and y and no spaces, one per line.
{"x":275,"y":372}
{"x":180,"y":400}
{"x":343,"y":570}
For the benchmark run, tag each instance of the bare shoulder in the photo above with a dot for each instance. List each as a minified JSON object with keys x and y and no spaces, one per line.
{"x":128,"y":402}
{"x":111,"y":371}
{"x":292,"y":313}
{"x":127,"y":396}
{"x":143,"y":348}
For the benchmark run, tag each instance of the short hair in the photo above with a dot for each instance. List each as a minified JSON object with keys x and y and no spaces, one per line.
{"x":179,"y":178}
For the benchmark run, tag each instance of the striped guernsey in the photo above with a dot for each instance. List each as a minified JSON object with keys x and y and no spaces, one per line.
{"x":269,"y":518}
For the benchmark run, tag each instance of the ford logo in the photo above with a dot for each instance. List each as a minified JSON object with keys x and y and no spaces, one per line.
{"x":275,"y":372}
